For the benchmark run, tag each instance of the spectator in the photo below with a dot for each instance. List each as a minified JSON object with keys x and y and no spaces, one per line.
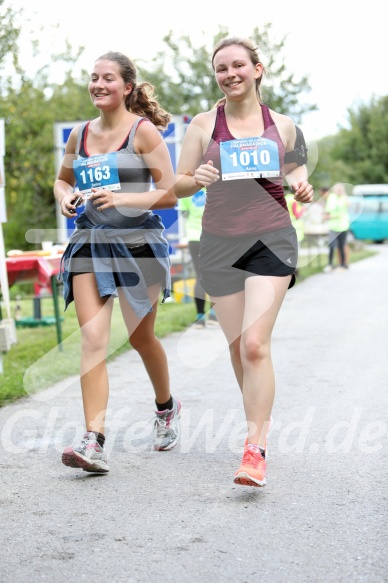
{"x":337,"y":215}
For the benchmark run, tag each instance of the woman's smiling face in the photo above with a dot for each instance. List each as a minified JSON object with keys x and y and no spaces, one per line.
{"x":234,"y":70}
{"x":106,"y":86}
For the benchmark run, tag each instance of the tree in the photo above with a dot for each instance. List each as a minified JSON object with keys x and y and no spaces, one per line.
{"x":363,"y":147}
{"x":9,"y":35}
{"x":185,"y":80}
{"x":328,"y":170}
{"x":30,"y":106}
{"x":30,"y":116}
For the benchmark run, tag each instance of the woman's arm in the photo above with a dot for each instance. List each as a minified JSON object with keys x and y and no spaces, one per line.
{"x":191,"y":175}
{"x":296,"y":176}
{"x":65,"y":181}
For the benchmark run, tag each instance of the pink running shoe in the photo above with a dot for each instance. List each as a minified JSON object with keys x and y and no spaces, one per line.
{"x":88,"y":455}
{"x":253,"y":467}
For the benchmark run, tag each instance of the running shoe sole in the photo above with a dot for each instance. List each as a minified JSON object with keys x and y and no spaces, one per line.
{"x":244,"y":479}
{"x":76,"y":460}
{"x":168,"y":447}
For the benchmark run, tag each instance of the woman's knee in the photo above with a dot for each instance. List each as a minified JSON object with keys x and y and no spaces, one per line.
{"x":254,"y":350}
{"x":141,"y":342}
{"x":93,"y":342}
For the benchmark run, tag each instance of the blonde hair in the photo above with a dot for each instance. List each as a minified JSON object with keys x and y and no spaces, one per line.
{"x":142,"y":99}
{"x":252,"y":52}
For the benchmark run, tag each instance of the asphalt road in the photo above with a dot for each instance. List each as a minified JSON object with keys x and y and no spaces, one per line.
{"x":177,"y":516}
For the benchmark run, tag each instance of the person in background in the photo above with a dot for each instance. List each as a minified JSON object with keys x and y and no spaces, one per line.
{"x":337,"y":215}
{"x":192,"y":210}
{"x":118,"y":248}
{"x":296,"y":210}
{"x":239,"y":151}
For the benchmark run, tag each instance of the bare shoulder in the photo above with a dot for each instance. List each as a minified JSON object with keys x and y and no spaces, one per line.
{"x":146,"y":127}
{"x":205,"y":120}
{"x":201,"y":128}
{"x":147,"y":136}
{"x":282,"y":121}
{"x":286,"y":127}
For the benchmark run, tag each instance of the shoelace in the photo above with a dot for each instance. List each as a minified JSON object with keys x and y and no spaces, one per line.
{"x":90,"y":440}
{"x":252,"y":458}
{"x":165,"y":418}
{"x":163,"y":423}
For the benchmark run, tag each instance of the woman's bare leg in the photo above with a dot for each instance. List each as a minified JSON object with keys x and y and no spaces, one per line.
{"x":94,"y":317}
{"x":142,"y":337}
{"x":263,"y":299}
{"x":247,"y":320}
{"x":230,"y":313}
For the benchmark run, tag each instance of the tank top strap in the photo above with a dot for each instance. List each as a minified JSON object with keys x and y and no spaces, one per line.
{"x":221,"y":131}
{"x":221,"y":118}
{"x":128,"y":142}
{"x":268,"y":121}
{"x":80,"y":146}
{"x":133,"y":129}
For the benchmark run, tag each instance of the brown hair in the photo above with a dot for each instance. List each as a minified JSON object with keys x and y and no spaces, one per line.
{"x":142,"y":99}
{"x":252,"y":53}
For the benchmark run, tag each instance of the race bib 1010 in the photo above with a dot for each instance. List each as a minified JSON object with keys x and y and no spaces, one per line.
{"x":249,"y":158}
{"x":99,"y":171}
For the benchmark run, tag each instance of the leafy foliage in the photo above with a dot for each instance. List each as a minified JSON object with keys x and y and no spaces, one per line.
{"x":357,"y":154}
{"x":185,"y":81}
{"x":363,"y":147}
{"x":328,"y":170}
{"x":9,"y":34}
{"x":30,"y":111}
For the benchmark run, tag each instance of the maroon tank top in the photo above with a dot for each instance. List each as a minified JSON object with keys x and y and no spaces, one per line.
{"x":245,"y":206}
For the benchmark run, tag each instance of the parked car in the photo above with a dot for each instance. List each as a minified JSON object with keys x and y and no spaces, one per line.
{"x":369,"y":212}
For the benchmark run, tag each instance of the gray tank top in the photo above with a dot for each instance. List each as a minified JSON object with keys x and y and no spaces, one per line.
{"x":134,"y":176}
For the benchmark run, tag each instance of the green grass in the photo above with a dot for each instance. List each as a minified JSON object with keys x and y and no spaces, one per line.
{"x":35,"y":361}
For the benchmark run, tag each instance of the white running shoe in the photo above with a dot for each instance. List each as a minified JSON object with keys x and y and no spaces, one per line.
{"x":167,"y":427}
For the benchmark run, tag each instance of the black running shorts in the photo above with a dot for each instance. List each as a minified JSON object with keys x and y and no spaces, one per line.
{"x":226,"y":262}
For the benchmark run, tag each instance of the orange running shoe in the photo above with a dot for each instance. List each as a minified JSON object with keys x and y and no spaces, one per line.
{"x":253,"y":467}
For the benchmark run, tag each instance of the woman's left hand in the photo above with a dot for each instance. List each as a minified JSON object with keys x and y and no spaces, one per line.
{"x":303,"y":191}
{"x":102,"y":198}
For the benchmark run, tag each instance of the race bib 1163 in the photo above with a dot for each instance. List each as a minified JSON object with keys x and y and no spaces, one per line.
{"x":98,"y":171}
{"x":249,"y":158}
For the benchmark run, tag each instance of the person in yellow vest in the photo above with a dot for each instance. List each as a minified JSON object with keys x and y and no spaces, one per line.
{"x":296,"y":210}
{"x":337,"y":215}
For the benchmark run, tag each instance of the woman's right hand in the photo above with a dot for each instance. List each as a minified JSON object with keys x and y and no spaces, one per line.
{"x":206,"y":174}
{"x":68,"y":208}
